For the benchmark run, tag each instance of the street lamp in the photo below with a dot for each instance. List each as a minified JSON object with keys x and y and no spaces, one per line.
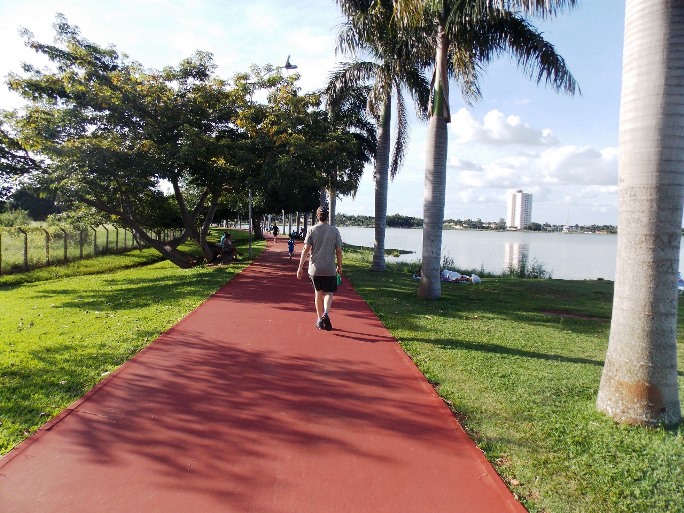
{"x":288,"y":65}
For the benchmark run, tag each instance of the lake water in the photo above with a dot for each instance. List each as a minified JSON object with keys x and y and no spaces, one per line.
{"x":568,"y":256}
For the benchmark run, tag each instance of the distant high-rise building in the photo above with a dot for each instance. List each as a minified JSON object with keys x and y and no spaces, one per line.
{"x":519,"y":210}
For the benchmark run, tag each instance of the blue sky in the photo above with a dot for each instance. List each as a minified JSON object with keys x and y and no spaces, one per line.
{"x":561,"y":149}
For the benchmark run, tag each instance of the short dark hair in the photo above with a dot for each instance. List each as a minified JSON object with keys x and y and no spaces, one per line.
{"x":322,"y":214}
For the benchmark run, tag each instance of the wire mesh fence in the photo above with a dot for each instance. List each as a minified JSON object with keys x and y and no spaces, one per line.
{"x":22,"y":249}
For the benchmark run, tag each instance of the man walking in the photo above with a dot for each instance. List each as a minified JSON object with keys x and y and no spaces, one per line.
{"x":323,"y":244}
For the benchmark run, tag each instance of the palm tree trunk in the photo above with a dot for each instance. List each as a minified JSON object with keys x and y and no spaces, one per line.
{"x":639,"y":381}
{"x":435,"y":175}
{"x":382,"y":159}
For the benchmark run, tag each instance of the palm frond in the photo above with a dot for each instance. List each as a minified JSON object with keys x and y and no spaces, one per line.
{"x":401,"y":136}
{"x":418,"y":86}
{"x":536,"y":57}
{"x":477,"y":40}
{"x":348,"y":76}
{"x":540,"y":8}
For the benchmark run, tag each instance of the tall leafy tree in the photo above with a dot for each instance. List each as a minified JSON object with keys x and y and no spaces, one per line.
{"x":279,"y":161}
{"x":112,"y":131}
{"x":293,"y":148}
{"x":397,"y":55}
{"x":639,"y":380}
{"x":15,"y":160}
{"x":468,"y":35}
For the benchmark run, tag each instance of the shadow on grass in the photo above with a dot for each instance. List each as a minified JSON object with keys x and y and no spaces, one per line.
{"x":486,"y":347}
{"x":584,"y":307}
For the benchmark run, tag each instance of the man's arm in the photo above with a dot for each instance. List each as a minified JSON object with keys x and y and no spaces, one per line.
{"x":305,"y":254}
{"x":338,"y":252}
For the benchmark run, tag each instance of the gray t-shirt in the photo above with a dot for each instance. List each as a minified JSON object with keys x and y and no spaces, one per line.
{"x":324,"y":239}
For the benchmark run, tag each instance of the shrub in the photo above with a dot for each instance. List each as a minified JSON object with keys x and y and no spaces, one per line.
{"x":13,"y":218}
{"x":528,"y":269}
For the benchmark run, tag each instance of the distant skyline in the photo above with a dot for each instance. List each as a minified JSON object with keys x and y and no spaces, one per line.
{"x":563,"y":150}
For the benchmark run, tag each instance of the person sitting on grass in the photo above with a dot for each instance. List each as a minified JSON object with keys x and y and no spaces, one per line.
{"x":228,"y":248}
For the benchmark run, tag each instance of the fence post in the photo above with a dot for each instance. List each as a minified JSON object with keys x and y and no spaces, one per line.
{"x":65,"y":244}
{"x":25,"y":248}
{"x":106,"y":249}
{"x":116,"y":243}
{"x":47,"y":247}
{"x":80,"y":244}
{"x":124,"y":239}
{"x":94,"y":240}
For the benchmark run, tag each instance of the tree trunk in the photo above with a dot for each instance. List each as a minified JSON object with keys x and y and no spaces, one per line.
{"x":639,"y":380}
{"x":435,"y":175}
{"x":256,"y":228}
{"x":382,"y":159}
{"x":333,"y":206}
{"x":207,"y":251}
{"x":175,"y":256}
{"x":167,"y":249}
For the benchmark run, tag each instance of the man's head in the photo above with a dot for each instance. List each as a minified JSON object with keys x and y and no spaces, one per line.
{"x":323,"y":214}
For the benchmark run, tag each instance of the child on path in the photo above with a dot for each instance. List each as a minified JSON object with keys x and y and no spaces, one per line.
{"x":290,"y":246}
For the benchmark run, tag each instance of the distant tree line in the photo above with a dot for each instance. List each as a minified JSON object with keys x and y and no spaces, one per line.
{"x":393,"y":221}
{"x":400,"y":221}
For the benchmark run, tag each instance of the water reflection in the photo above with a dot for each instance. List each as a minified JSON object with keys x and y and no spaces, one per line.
{"x":515,"y":253}
{"x":565,"y":256}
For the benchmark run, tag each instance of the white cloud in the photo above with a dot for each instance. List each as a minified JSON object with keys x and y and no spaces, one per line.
{"x":501,"y":152}
{"x":498,"y":129}
{"x":579,"y":165}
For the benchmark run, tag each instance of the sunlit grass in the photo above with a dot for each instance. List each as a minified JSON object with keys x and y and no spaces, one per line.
{"x":61,"y":335}
{"x":519,"y":361}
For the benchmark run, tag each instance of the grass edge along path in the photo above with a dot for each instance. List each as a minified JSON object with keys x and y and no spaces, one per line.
{"x":61,"y":336}
{"x":519,"y":362}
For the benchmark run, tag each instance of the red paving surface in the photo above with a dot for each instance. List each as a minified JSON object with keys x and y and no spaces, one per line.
{"x":244,"y":406}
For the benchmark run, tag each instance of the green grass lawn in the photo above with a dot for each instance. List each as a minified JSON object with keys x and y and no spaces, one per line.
{"x":519,"y":362}
{"x":67,"y":327}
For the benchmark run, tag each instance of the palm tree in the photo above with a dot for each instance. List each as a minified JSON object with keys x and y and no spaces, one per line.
{"x":398,"y":58}
{"x":468,"y":35}
{"x":350,"y":144}
{"x":639,"y":380}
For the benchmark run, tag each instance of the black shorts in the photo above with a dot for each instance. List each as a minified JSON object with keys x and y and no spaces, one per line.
{"x":324,"y":283}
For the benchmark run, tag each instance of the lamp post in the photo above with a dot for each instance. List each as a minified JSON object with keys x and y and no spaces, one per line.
{"x":289,"y":66}
{"x":250,"y":223}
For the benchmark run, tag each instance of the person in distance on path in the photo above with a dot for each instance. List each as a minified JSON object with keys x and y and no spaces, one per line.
{"x":290,"y":246}
{"x":322,"y":245}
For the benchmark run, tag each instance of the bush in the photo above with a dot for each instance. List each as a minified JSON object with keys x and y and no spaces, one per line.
{"x":14,"y":218}
{"x":527,"y":269}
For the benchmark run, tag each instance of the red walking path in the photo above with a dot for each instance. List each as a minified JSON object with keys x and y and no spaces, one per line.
{"x":244,"y":406}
